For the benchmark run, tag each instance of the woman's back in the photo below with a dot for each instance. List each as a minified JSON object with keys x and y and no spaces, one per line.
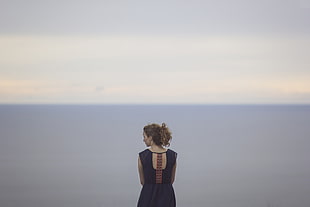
{"x":158,"y":167}
{"x":159,"y":171}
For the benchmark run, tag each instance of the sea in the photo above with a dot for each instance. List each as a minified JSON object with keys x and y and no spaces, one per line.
{"x":86,"y":155}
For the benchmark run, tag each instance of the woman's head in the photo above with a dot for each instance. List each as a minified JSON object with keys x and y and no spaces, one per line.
{"x":160,"y":135}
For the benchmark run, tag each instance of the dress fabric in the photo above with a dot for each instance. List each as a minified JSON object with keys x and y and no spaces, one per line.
{"x":157,"y":190}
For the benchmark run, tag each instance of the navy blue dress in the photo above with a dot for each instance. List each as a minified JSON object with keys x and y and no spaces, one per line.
{"x":157,"y":190}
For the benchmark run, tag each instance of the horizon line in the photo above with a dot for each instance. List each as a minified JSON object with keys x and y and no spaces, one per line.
{"x":161,"y":104}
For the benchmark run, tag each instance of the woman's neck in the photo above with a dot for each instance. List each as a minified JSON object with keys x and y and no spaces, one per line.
{"x":157,"y":148}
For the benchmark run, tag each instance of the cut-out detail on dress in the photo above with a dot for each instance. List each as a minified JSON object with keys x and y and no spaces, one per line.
{"x":163,"y":162}
{"x":159,"y":170}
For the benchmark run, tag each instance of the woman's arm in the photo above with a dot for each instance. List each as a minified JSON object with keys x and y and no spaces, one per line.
{"x":173,"y":172}
{"x":140,"y":169}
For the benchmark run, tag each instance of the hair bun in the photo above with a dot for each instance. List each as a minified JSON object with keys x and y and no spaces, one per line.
{"x":161,"y":134}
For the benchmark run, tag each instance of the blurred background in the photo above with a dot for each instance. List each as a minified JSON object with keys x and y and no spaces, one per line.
{"x":155,"y":52}
{"x":80,"y":79}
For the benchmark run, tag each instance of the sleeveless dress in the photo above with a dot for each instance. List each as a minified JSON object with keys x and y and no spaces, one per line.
{"x":157,"y":190}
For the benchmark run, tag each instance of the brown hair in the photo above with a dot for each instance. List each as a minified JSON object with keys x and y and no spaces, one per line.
{"x":161,"y":135}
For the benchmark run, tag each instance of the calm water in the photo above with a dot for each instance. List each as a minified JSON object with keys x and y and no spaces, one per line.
{"x":86,"y":156}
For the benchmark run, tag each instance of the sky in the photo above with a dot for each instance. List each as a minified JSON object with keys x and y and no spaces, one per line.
{"x":155,"y":52}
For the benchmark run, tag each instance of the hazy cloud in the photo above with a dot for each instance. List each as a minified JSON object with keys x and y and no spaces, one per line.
{"x":150,"y":68}
{"x":161,"y":51}
{"x":153,"y":17}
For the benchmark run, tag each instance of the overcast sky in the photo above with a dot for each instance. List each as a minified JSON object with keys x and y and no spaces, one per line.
{"x":253,"y":51}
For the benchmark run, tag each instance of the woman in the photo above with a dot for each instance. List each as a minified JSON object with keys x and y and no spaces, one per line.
{"x":157,"y":166}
